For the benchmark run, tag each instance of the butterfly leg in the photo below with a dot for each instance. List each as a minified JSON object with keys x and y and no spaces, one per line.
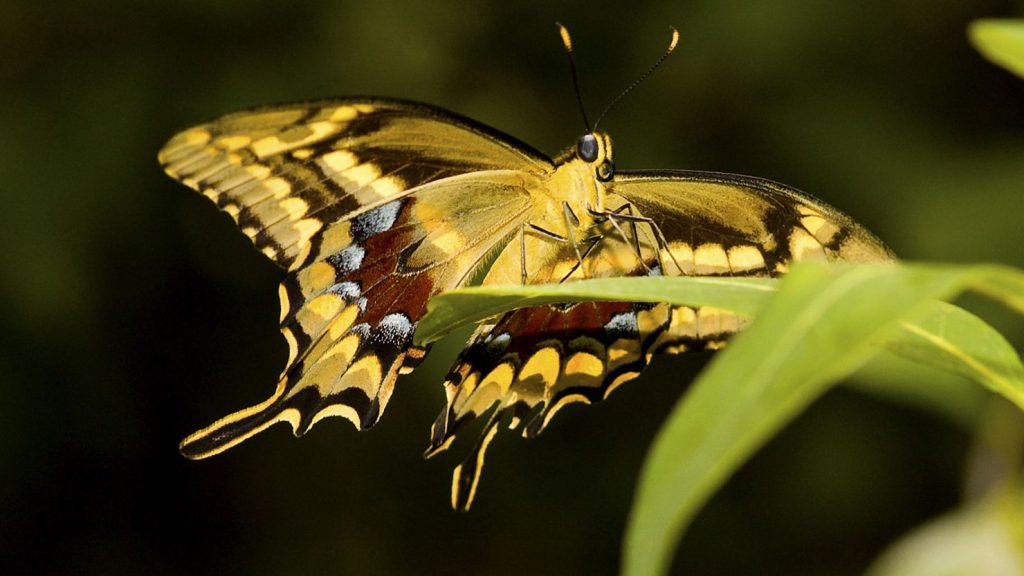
{"x":522,"y":254}
{"x":546,"y":232}
{"x":572,"y":221}
{"x":601,"y":217}
{"x":610,"y":217}
{"x":659,"y":235}
{"x":590,"y":242}
{"x":636,"y":237}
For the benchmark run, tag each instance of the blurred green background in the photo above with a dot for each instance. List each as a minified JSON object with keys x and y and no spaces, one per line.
{"x":134,"y":313}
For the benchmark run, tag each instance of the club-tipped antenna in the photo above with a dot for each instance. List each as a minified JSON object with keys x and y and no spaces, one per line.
{"x":567,"y":41}
{"x":671,"y":46}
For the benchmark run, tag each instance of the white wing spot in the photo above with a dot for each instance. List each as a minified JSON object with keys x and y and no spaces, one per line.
{"x":375,"y":221}
{"x":348,"y":290}
{"x":622,"y":324}
{"x":497,"y":344}
{"x":393,"y":329}
{"x":349,"y":259}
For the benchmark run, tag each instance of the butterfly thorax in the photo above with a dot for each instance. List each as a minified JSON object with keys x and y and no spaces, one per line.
{"x":578,"y":182}
{"x":571,"y":221}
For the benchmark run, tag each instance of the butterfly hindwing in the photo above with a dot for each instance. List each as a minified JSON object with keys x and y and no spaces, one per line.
{"x":534,"y":361}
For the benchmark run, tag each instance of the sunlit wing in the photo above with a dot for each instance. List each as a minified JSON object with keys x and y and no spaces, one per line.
{"x":285,"y":172}
{"x":531,"y":362}
{"x":372,"y":206}
{"x":727,"y":224}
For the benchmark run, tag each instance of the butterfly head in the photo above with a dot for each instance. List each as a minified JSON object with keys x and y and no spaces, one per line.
{"x":595,"y":148}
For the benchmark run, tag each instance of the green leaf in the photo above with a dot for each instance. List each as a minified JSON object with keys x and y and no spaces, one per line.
{"x":822,"y":325}
{"x":933,"y":361}
{"x":1001,"y":41}
{"x":950,"y":338}
{"x":450,"y":310}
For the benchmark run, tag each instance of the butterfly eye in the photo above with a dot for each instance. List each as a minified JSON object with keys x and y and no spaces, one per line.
{"x":605,"y":171}
{"x":587,"y":148}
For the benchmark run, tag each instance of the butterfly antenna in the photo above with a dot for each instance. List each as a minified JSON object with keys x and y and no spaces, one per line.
{"x":567,"y":41}
{"x":671,"y":46}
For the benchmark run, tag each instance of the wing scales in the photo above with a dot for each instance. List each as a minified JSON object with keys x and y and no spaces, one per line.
{"x":284,"y":173}
{"x":532,"y":362}
{"x":349,"y":311}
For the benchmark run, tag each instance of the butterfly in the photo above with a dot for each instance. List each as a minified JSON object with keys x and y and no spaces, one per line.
{"x":372,"y":206}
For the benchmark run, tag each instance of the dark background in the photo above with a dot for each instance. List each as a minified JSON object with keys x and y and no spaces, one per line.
{"x":133,"y":312}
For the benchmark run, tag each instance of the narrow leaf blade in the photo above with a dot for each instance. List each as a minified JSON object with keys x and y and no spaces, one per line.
{"x":465,"y":306}
{"x":950,"y":338}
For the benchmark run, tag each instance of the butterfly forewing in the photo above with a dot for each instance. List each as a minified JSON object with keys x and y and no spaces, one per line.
{"x":738,"y":215}
{"x":285,"y":172}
